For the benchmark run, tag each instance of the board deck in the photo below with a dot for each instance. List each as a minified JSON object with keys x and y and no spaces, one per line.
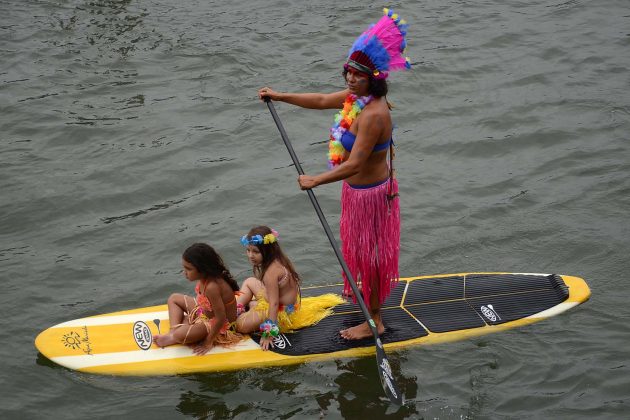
{"x":420,"y":310}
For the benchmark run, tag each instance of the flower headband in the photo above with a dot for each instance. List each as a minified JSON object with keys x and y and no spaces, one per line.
{"x":269,"y":238}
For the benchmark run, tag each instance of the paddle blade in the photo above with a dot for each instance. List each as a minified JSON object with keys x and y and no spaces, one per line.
{"x":385,"y":373}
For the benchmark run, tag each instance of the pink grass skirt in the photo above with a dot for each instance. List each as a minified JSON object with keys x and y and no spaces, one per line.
{"x":370,"y":236}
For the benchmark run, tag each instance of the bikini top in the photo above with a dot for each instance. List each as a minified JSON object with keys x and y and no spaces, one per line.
{"x":284,"y":278}
{"x":289,"y":309}
{"x":203,"y":301}
{"x":347,"y":141}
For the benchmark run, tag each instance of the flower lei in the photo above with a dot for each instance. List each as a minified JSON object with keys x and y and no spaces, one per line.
{"x":269,"y":329}
{"x":352,"y":107}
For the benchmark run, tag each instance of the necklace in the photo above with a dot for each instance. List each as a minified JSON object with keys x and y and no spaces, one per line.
{"x":352,"y":107}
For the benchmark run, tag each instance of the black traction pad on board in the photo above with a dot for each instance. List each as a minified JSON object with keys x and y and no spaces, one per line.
{"x":438,"y":304}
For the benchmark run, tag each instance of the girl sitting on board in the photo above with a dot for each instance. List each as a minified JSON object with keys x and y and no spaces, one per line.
{"x":273,"y":294}
{"x":204,"y":319}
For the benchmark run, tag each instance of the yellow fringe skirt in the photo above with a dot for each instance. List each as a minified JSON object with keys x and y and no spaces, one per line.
{"x":309,"y":311}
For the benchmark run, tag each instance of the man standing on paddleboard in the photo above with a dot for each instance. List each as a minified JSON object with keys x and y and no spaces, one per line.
{"x":360,"y":139}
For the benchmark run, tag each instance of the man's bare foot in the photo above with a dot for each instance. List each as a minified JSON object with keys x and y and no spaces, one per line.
{"x":163,"y":340}
{"x":361,"y":331}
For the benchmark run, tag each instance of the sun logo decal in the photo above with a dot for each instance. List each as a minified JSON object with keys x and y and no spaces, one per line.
{"x":72,"y":340}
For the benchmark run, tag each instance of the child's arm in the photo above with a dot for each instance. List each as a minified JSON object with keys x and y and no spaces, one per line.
{"x":273,"y":296}
{"x":213,"y":293}
{"x":332,"y":100}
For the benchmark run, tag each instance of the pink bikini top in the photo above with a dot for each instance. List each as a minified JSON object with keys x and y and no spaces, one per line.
{"x":202,"y":299}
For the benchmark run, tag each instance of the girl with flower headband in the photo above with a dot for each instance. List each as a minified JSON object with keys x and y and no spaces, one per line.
{"x":359,"y":140}
{"x":273,"y":294}
{"x":205,"y":319}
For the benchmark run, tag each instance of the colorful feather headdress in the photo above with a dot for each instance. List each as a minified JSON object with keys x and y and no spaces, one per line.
{"x":380,"y":48}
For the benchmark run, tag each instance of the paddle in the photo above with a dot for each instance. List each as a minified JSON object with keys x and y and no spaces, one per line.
{"x":384,"y":369}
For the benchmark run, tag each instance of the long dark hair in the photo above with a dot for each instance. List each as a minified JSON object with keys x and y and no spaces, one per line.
{"x":208,"y":263}
{"x":376,"y":87}
{"x":270,"y":253}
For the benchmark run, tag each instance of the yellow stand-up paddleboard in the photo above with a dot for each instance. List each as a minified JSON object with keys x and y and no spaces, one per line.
{"x":420,"y":310}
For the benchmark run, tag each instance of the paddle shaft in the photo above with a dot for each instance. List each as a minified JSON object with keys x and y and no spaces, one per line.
{"x":383,"y":364}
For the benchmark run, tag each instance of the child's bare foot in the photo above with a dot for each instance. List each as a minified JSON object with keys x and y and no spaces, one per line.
{"x":163,"y":340}
{"x":361,"y":331}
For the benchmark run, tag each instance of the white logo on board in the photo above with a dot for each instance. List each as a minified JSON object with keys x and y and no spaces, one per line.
{"x":490,"y":313}
{"x":142,"y":335}
{"x":281,"y":342}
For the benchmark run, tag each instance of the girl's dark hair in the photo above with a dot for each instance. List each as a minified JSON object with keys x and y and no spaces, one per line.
{"x":270,"y":253}
{"x":209,"y":264}
{"x":376,"y":87}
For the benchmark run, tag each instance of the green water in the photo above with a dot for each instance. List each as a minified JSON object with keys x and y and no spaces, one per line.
{"x":129,"y":130}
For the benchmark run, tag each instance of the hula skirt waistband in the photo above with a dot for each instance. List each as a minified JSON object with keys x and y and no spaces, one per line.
{"x":367,"y":186}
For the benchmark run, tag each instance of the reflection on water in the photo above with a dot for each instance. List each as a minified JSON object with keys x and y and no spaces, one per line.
{"x":350,"y":386}
{"x":225,"y":395}
{"x":361,"y":394}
